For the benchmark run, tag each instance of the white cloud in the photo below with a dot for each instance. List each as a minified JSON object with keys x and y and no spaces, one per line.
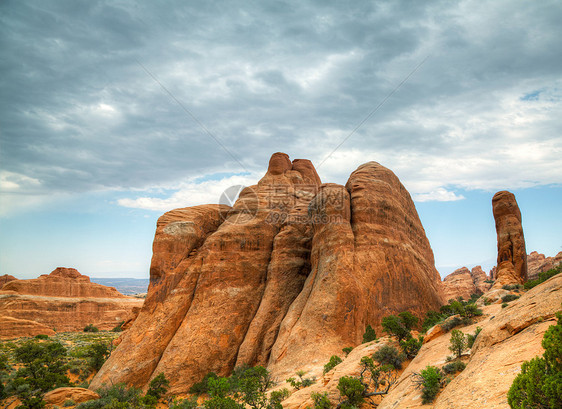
{"x":439,"y":195}
{"x":190,"y":193}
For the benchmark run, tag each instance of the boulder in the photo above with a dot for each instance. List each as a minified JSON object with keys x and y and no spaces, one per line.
{"x":78,"y":395}
{"x":512,"y":256}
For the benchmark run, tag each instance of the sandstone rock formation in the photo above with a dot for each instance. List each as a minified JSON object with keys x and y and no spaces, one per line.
{"x":464,"y":282}
{"x":538,"y":263}
{"x":78,"y":395}
{"x":64,"y":300}
{"x":284,"y":278}
{"x":6,"y":278}
{"x":512,"y":256}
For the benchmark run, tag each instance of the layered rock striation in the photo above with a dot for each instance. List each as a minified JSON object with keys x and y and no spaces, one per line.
{"x":64,"y":300}
{"x":512,"y":256}
{"x":284,"y":278}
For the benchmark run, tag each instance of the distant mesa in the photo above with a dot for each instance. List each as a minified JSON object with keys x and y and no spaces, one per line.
{"x":63,"y":300}
{"x":286,"y":276}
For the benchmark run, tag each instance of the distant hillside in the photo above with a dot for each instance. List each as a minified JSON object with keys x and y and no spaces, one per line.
{"x":127,"y":286}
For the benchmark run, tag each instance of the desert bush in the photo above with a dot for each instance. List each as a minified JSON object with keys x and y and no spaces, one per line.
{"x":471,"y":310}
{"x":334,"y":360}
{"x":157,"y":387}
{"x":458,"y":343}
{"x":455,"y":322}
{"x":276,"y":397}
{"x":411,"y":347}
{"x":470,"y":338}
{"x":41,"y":336}
{"x":454,"y":367}
{"x":68,"y":402}
{"x":301,"y":382}
{"x":91,"y":328}
{"x":347,"y":350}
{"x":431,"y":318}
{"x":114,"y":396}
{"x":539,"y":385}
{"x":118,"y":327}
{"x":388,"y":355}
{"x":504,"y":305}
{"x":511,"y":287}
{"x":369,"y":334}
{"x":97,"y":353}
{"x":509,"y":297}
{"x":188,"y":403}
{"x":321,"y":400}
{"x":430,"y":381}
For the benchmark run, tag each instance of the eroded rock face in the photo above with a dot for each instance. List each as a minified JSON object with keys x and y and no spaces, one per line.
{"x":464,"y":282}
{"x":64,"y":300}
{"x":538,"y":263}
{"x":512,"y":256}
{"x":289,"y":274}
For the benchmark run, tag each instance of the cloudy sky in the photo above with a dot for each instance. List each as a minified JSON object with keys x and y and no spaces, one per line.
{"x":113,"y":112}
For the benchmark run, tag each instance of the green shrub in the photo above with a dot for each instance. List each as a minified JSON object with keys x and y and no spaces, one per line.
{"x":91,"y":328}
{"x":411,"y":347}
{"x":334,"y":360}
{"x":454,"y":367}
{"x":301,"y":382}
{"x":489,"y":281}
{"x":429,"y":379}
{"x":118,"y":327}
{"x":156,"y":389}
{"x":388,"y":355}
{"x":509,"y":297}
{"x":450,"y":324}
{"x":408,"y":319}
{"x":68,"y":402}
{"x":394,"y":326}
{"x":321,"y":400}
{"x":41,"y":336}
{"x":202,"y":387}
{"x":369,"y":334}
{"x":116,"y":396}
{"x":470,"y":338}
{"x":276,"y":397}
{"x":189,"y":403}
{"x":431,"y":318}
{"x":511,"y":287}
{"x":471,"y":310}
{"x":352,"y":390}
{"x":97,"y":353}
{"x":458,"y":343}
{"x":347,"y":350}
{"x":504,"y":305}
{"x":539,"y":385}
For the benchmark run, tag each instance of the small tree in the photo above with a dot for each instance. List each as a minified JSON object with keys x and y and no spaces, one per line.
{"x":334,"y":360}
{"x":97,"y":354}
{"x":352,"y":390}
{"x":321,"y":400}
{"x":430,"y":381}
{"x":156,"y":389}
{"x":301,"y":382}
{"x":388,"y":355}
{"x":539,"y":385}
{"x":408,"y":319}
{"x":411,"y":347}
{"x":458,"y":342}
{"x":347,"y":350}
{"x":370,"y":334}
{"x":393,"y":325}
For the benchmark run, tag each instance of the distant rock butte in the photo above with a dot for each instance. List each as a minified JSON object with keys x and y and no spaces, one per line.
{"x":464,"y":282}
{"x":538,"y":263}
{"x":6,"y":278}
{"x":512,"y":256}
{"x":284,"y":278}
{"x":64,"y":300}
